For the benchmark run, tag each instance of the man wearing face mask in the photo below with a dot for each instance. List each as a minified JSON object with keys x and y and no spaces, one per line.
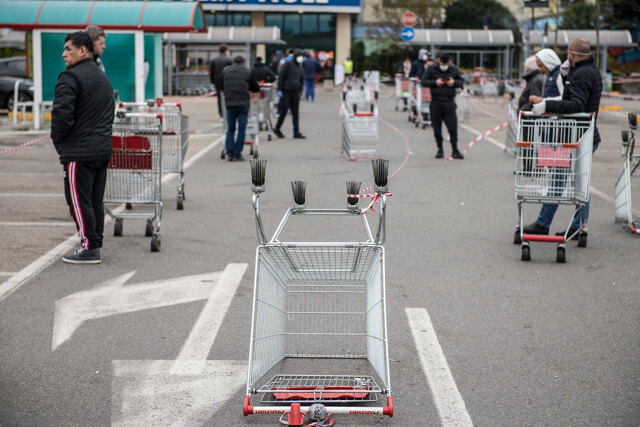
{"x":418,"y":66}
{"x":581,"y":94}
{"x":443,"y":78}
{"x":290,"y":80}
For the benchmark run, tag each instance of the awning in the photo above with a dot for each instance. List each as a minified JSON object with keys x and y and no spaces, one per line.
{"x":463,"y":38}
{"x":154,"y":16}
{"x":229,"y":35}
{"x":614,"y":38}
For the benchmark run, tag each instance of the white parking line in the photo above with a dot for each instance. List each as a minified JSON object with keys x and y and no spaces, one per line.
{"x":447,"y":398}
{"x":37,"y":224}
{"x":32,"y":195}
{"x":31,"y":270}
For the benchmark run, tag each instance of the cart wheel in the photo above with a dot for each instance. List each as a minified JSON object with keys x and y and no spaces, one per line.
{"x":117,"y":227}
{"x":424,"y":126}
{"x":155,"y":243}
{"x":396,"y":108}
{"x":180,"y":203}
{"x":582,"y":240}
{"x":269,"y":137}
{"x":417,"y":124}
{"x":222,"y":154}
{"x":255,"y":153}
{"x":516,"y":237}
{"x":128,"y":206}
{"x":526,"y":253}
{"x":560,"y":255}
{"x":148,"y":230}
{"x":251,"y":149}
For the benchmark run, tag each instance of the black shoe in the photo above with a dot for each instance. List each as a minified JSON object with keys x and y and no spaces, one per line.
{"x":278,"y":133}
{"x":457,"y":155}
{"x":230,"y":157}
{"x":299,"y":136}
{"x":238,"y":158}
{"x":571,"y":232}
{"x":439,"y":154}
{"x":83,"y":256}
{"x":534,"y":228}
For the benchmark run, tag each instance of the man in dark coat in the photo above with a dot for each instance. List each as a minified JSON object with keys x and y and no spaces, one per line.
{"x":215,"y":72}
{"x":290,"y":80}
{"x":236,"y":83}
{"x":443,"y":78}
{"x":262,"y":73}
{"x":582,"y":92}
{"x":81,"y":122}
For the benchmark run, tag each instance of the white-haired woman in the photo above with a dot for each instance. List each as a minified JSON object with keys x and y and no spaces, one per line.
{"x":535,"y":81}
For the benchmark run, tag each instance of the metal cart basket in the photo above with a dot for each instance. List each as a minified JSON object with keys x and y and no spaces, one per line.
{"x":628,"y":183}
{"x":421,"y":104}
{"x":134,"y":174}
{"x":512,"y":127}
{"x":267,"y":107}
{"x":402,"y":91}
{"x":360,"y":131}
{"x":314,"y":303}
{"x":175,"y":141}
{"x":553,"y":165}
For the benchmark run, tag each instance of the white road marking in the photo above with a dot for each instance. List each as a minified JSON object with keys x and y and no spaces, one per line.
{"x":7,"y":273}
{"x":37,"y":224}
{"x":54,"y":254}
{"x":32,"y":195}
{"x":112,"y":297}
{"x":447,"y":398}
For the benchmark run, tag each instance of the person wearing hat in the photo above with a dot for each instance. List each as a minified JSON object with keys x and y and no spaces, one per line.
{"x":419,"y":65}
{"x":290,"y":80}
{"x":549,"y":63}
{"x":261,"y":72}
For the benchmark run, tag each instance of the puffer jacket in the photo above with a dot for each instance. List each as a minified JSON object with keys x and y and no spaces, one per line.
{"x":236,"y":83}
{"x":442,"y":93}
{"x":290,"y":77}
{"x":216,"y":66}
{"x":535,"y":81}
{"x":582,"y":91}
{"x":262,"y":73}
{"x":82,"y":114}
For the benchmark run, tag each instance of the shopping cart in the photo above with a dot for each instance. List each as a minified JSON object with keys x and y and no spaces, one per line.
{"x":318,"y":326}
{"x":512,"y":127}
{"x":422,"y":105}
{"x":628,"y":183}
{"x":360,"y":131}
{"x":558,"y":150}
{"x":252,"y":132}
{"x":175,"y":141}
{"x":372,"y":83}
{"x":266,"y":103}
{"x":402,"y":91}
{"x":134,"y":174}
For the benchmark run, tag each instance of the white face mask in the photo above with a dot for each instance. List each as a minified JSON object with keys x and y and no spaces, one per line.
{"x":444,"y":67}
{"x":299,"y":59}
{"x":425,"y":57}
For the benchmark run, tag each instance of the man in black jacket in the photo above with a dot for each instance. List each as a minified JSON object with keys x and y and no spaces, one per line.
{"x":262,"y":73}
{"x":81,"y":122}
{"x":215,"y":72}
{"x":443,"y":79}
{"x":236,"y":83}
{"x":290,"y":80}
{"x":582,"y":91}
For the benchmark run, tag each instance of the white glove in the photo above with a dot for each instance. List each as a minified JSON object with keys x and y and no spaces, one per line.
{"x":539,"y":108}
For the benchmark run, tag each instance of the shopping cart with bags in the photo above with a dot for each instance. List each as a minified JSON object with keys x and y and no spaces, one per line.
{"x":175,"y":141}
{"x":628,"y":183}
{"x":553,"y":166}
{"x":252,"y":131}
{"x":402,"y":91}
{"x":134,"y":173}
{"x":319,"y":324}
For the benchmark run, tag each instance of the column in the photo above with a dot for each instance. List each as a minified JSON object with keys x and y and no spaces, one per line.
{"x":257,"y":20}
{"x":343,"y":37}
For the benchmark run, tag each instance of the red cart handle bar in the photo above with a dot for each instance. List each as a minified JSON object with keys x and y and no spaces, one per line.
{"x":370,"y":410}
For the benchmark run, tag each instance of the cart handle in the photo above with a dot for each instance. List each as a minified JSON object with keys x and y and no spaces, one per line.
{"x":545,"y":115}
{"x":527,"y":144}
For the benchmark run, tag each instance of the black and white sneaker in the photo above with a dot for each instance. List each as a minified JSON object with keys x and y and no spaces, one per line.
{"x":83,"y":256}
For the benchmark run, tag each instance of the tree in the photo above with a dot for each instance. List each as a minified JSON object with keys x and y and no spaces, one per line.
{"x":578,"y":16}
{"x":389,"y":13}
{"x":475,"y":14}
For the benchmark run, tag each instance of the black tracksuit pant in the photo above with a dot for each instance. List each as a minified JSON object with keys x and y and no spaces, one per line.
{"x":444,"y":110}
{"x":84,"y":184}
{"x":290,"y":99}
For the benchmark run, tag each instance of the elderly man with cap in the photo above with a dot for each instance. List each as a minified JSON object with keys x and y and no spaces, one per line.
{"x":582,"y":94}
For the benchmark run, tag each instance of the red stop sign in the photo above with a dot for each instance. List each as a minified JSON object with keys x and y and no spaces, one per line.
{"x":409,"y":19}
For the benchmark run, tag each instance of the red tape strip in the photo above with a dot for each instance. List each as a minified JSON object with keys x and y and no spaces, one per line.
{"x":26,"y":144}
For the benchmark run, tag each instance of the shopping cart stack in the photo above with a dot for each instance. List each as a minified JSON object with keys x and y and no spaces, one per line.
{"x":402,"y":91}
{"x":134,"y":174}
{"x":628,"y":183}
{"x":372,"y":83}
{"x":319,"y":329}
{"x":553,"y":166}
{"x":360,"y":132}
{"x":175,"y":132}
{"x":252,"y":132}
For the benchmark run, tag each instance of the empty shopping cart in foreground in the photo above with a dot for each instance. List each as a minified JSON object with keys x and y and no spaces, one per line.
{"x":134,"y":173}
{"x":553,"y":165}
{"x":318,"y":330}
{"x":628,"y":183}
{"x":175,"y":138}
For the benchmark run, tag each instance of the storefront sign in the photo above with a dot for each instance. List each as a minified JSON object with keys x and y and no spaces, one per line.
{"x":345,"y":6}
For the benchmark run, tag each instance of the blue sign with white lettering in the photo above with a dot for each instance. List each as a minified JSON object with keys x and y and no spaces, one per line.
{"x":351,"y":6}
{"x":408,"y":34}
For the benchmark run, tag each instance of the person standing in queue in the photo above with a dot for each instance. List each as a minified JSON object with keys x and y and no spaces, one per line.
{"x":348,"y":69}
{"x":215,"y":73}
{"x":443,"y":78}
{"x":81,"y":122}
{"x":290,"y":80}
{"x":311,"y":68}
{"x":99,"y":38}
{"x":236,"y":83}
{"x":419,"y":65}
{"x":261,"y":72}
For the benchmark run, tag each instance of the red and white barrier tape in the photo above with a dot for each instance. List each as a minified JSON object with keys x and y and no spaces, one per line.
{"x":485,"y":111}
{"x":481,"y":137}
{"x":26,"y":144}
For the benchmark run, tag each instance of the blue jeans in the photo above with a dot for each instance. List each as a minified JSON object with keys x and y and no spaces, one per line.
{"x":240,"y":114}
{"x":310,"y":89}
{"x":548,"y":210}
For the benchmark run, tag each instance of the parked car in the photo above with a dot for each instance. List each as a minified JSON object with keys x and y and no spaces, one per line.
{"x":7,"y":85}
{"x":15,"y":66}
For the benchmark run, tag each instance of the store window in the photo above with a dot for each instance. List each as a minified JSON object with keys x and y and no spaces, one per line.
{"x":228,"y":19}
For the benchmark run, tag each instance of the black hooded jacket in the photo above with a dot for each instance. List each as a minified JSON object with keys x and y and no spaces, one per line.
{"x":82,"y":114}
{"x":444,"y":92}
{"x":263,"y":73}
